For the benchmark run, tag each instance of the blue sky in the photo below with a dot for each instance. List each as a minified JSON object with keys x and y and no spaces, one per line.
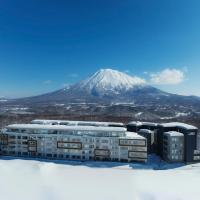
{"x":45,"y":44}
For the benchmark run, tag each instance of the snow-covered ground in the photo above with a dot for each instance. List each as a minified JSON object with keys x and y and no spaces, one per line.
{"x":38,"y":180}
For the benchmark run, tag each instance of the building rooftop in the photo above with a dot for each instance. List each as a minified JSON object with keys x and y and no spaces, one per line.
{"x":65,"y":128}
{"x":139,"y":123}
{"x":174,"y":133}
{"x":135,"y":123}
{"x":76,"y":123}
{"x":145,"y":131}
{"x":133,"y":135}
{"x":179,"y":125}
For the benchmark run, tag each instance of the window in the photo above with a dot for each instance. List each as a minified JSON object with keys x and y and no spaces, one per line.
{"x":12,"y":142}
{"x":60,"y":155}
{"x":4,"y":139}
{"x":196,"y":152}
{"x":32,"y":145}
{"x":69,"y":145}
{"x":15,"y":130}
{"x":124,"y":148}
{"x":25,"y":142}
{"x":174,"y":139}
{"x":196,"y":158}
{"x":105,"y":141}
{"x":11,"y":137}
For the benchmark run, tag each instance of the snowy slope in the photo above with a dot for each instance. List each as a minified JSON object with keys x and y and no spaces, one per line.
{"x":110,"y":80}
{"x":34,"y":180}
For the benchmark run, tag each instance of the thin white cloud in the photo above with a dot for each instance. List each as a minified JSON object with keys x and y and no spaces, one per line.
{"x":47,"y":82}
{"x":139,"y":80}
{"x":168,"y":77}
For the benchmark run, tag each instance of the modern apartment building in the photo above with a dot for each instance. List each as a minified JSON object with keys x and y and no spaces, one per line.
{"x":173,"y":146}
{"x":73,"y":142}
{"x":191,"y":153}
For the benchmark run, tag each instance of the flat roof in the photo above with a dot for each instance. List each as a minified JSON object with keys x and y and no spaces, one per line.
{"x":134,"y":135}
{"x":140,"y":123}
{"x":77,"y":122}
{"x":145,"y":131}
{"x":173,"y":133}
{"x":66,"y":128}
{"x":179,"y":125}
{"x":136,"y":123}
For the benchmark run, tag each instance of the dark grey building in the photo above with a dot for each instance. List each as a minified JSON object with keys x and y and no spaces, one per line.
{"x":135,"y":126}
{"x":190,"y":139}
{"x":149,"y":135}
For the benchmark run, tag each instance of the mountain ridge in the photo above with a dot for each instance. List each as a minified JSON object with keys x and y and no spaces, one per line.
{"x":111,"y":86}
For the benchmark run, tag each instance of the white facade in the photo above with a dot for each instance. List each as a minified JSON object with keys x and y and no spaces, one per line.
{"x":73,"y":142}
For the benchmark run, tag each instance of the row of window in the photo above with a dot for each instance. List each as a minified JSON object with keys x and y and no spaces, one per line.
{"x":196,"y":158}
{"x":176,"y":157}
{"x":68,"y":139}
{"x":89,"y":133}
{"x":130,"y":142}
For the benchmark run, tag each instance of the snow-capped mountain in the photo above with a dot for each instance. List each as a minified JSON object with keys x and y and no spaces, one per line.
{"x":111,"y":86}
{"x":109,"y":80}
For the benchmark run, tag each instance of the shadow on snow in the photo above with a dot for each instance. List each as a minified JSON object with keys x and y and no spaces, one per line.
{"x":154,"y":162}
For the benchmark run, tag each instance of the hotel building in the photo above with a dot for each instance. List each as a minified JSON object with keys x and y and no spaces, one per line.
{"x":73,"y":141}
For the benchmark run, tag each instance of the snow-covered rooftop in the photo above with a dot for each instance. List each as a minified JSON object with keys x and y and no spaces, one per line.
{"x":149,"y":123}
{"x":134,"y":135}
{"x":66,"y":128}
{"x":135,"y":123}
{"x":179,"y":125}
{"x":139,"y":123}
{"x":69,"y":122}
{"x":174,"y":133}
